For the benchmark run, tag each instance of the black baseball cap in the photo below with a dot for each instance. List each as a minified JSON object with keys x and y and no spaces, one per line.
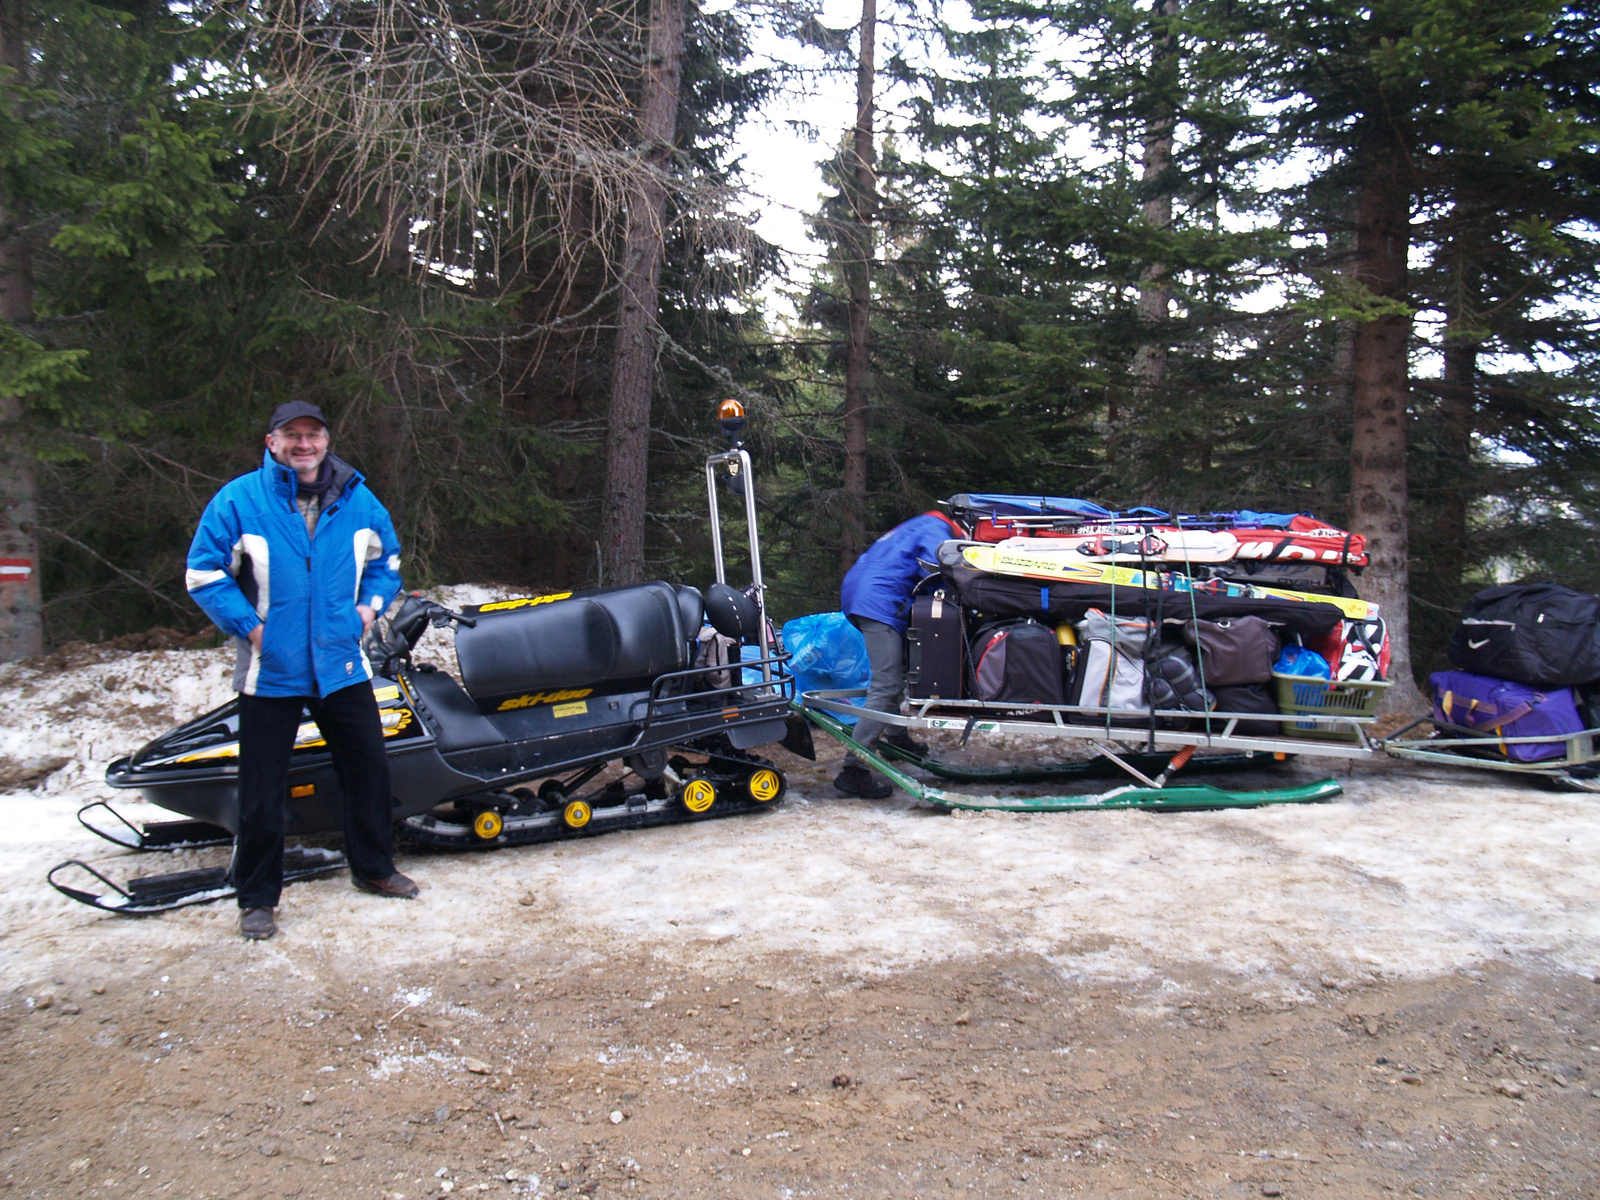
{"x":289,"y":410}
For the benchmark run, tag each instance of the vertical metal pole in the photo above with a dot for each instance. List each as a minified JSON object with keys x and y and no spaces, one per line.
{"x":755,"y":561}
{"x":713,"y":464}
{"x":716,"y":516}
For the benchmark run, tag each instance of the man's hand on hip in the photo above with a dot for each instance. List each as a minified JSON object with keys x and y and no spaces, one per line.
{"x":368,"y":615}
{"x":255,"y":637}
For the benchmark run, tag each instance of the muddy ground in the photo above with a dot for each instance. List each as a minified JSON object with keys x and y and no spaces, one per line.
{"x":226,"y":1072}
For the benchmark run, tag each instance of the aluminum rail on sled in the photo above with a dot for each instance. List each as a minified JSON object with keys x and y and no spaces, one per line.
{"x":1577,"y":768}
{"x":823,"y":708}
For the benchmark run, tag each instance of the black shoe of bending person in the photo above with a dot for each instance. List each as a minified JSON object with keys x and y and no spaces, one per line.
{"x":856,"y":780}
{"x":257,"y":924}
{"x":901,"y":739}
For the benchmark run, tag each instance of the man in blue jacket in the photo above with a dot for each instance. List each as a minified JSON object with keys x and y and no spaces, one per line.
{"x":876,"y":596}
{"x":296,"y":560}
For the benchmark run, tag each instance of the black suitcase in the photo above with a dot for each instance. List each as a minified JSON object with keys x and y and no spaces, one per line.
{"x":936,"y":649}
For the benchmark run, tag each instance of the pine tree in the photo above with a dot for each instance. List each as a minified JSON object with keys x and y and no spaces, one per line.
{"x":106,"y":182}
{"x":1379,"y":116}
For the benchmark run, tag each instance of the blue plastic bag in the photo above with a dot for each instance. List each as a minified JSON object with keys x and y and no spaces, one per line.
{"x":1295,"y":659}
{"x":827,"y":654}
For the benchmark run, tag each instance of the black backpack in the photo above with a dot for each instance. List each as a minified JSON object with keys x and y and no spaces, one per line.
{"x":1536,"y":633}
{"x":1019,"y":661}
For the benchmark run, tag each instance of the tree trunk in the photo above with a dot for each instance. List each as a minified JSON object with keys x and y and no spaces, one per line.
{"x":633,"y":373}
{"x":21,"y":622}
{"x":1459,"y":412}
{"x":857,"y":246}
{"x":1155,"y":295}
{"x":394,"y":234}
{"x":1458,"y":393}
{"x":1380,"y":399}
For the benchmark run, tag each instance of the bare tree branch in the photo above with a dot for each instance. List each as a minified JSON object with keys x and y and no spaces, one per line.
{"x":106,"y":562}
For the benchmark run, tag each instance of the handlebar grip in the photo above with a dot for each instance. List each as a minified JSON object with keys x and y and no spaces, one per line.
{"x":440,"y":616}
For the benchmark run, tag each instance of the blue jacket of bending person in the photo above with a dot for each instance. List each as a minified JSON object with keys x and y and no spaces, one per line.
{"x":880,"y":583}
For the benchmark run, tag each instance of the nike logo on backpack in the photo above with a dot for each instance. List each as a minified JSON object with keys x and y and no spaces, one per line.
{"x":1472,"y":645}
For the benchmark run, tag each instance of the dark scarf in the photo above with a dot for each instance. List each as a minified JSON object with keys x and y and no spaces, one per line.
{"x":319,"y":489}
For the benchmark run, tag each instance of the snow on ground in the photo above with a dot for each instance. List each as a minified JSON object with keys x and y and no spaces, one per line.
{"x":1413,"y":872}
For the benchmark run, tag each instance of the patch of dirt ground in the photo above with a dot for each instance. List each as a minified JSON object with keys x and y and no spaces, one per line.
{"x":222,"y":1073}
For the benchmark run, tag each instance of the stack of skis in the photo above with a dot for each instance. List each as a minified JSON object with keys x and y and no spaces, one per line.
{"x":1527,"y":659}
{"x":1063,"y":602}
{"x":1293,"y":550}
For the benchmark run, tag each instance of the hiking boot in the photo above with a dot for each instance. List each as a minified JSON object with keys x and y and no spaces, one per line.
{"x":901,"y":739}
{"x":856,"y":780}
{"x":257,"y":924}
{"x":396,"y":886}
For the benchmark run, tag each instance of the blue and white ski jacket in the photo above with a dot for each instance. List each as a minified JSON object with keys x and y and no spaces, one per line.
{"x":878,"y":585}
{"x":253,"y":563}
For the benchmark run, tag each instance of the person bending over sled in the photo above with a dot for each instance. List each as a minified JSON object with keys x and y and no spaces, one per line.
{"x":876,"y":597}
{"x":295,"y":560}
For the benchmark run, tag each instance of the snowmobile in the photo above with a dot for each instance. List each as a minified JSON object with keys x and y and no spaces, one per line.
{"x":576,"y":713}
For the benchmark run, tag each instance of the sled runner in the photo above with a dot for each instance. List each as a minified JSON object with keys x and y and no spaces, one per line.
{"x":576,"y":713}
{"x":1148,"y":793}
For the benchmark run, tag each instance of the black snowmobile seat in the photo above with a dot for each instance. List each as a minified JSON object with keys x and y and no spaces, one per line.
{"x":693,"y":607}
{"x":461,"y":725}
{"x":592,"y":638}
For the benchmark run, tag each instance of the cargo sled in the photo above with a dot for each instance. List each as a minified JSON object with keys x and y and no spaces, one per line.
{"x":576,"y":713}
{"x":1044,"y":571}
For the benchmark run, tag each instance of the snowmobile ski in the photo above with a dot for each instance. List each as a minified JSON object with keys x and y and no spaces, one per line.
{"x":1158,"y":796}
{"x":152,"y":894}
{"x":154,"y":835}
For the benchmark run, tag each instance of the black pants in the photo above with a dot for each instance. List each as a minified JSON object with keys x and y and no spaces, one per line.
{"x":350,"y":724}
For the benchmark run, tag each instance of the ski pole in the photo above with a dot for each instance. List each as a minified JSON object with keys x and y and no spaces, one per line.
{"x":1179,"y":761}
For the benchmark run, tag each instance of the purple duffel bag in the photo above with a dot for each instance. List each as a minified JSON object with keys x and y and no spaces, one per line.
{"x":1498,"y":706}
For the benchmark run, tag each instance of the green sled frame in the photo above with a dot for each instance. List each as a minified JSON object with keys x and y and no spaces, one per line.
{"x":1149,"y":793}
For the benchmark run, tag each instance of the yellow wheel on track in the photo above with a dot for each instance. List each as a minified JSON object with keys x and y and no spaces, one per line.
{"x":488,"y":824}
{"x":699,"y":795}
{"x":765,"y":785}
{"x":576,"y":814}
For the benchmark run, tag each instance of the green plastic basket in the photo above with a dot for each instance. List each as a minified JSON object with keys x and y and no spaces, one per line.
{"x":1307,"y":695}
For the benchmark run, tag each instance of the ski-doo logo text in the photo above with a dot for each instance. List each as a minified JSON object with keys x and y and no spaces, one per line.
{"x":544,"y":698}
{"x":526,"y":601}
